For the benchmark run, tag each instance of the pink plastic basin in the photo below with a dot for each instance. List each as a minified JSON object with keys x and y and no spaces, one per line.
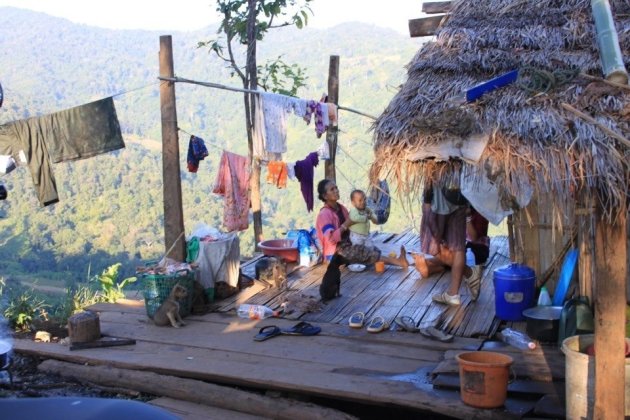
{"x":281,"y":248}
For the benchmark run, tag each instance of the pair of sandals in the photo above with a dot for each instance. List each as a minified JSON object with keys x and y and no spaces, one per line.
{"x":407,"y":323}
{"x":376,"y":324}
{"x":301,"y":328}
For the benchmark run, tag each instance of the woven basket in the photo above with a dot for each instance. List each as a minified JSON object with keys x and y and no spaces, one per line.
{"x":157,"y":287}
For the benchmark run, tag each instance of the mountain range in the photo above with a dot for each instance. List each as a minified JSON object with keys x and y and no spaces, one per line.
{"x":111,"y":207}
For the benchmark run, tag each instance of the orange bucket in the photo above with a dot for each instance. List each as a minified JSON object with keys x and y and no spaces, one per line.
{"x":484,"y":377}
{"x":379,"y":266}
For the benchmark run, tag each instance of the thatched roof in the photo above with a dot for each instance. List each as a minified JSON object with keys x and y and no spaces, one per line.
{"x":533,"y":138}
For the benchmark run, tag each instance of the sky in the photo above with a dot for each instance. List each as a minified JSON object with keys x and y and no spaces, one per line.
{"x":196,"y":14}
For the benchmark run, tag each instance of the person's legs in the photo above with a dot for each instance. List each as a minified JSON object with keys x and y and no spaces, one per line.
{"x":428,"y":266}
{"x":401,"y":261}
{"x":454,"y":252}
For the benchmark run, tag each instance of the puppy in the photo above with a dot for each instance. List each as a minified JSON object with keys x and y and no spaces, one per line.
{"x":168,"y":312}
{"x":331,"y":283}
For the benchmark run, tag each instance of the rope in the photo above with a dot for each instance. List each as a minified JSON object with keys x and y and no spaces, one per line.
{"x":257,"y":92}
{"x":124,"y":92}
{"x":536,"y":80}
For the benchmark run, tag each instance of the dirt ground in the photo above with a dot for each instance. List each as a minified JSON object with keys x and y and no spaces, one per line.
{"x":29,"y":382}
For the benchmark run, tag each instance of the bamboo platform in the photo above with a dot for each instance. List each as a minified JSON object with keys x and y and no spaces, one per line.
{"x":390,"y":294}
{"x":391,"y":369}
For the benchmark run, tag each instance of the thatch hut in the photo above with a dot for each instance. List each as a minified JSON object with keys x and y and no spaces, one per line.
{"x":560,"y":130}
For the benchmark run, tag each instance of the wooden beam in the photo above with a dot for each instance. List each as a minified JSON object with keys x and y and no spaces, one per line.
{"x":431,"y":7}
{"x":195,"y":391}
{"x":172,"y":185}
{"x":425,"y":26}
{"x":331,"y":133}
{"x":610,"y":316}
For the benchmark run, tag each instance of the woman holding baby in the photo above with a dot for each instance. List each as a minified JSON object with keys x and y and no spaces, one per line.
{"x":333,"y":229}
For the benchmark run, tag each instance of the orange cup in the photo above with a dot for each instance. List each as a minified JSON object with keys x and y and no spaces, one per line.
{"x":379,"y":266}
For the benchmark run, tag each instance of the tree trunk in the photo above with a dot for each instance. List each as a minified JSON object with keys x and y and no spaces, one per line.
{"x":193,"y":390}
{"x":251,"y":72}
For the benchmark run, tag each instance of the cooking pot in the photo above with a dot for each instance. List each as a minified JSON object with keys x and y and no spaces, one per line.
{"x":543,"y":322}
{"x":5,"y":354}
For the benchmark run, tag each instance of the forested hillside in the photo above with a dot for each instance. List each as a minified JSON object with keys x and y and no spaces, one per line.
{"x":111,"y":206}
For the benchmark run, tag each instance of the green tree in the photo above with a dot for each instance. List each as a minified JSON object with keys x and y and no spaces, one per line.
{"x":247,"y":22}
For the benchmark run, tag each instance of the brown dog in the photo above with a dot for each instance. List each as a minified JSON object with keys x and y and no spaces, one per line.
{"x":168,"y":312}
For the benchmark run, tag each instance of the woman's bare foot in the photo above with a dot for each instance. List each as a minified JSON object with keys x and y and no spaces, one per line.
{"x":421,"y":265}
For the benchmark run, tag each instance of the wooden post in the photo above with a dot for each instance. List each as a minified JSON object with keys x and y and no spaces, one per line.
{"x":610,"y":316}
{"x":585,"y":217}
{"x":172,"y":187}
{"x":331,"y":133}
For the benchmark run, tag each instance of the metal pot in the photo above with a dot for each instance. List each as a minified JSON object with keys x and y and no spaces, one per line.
{"x":543,"y":322}
{"x":5,"y":353}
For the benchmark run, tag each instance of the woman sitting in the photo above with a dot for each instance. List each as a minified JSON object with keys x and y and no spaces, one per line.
{"x":332,"y":225}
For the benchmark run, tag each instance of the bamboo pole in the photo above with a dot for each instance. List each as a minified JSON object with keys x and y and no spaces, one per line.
{"x":172,"y":186}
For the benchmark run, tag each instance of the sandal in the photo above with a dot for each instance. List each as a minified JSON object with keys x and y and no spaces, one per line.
{"x":406,"y":323}
{"x":377,"y":324}
{"x":474,"y":282}
{"x":435,"y":334}
{"x":267,"y":332}
{"x":302,"y":328}
{"x":356,"y":320}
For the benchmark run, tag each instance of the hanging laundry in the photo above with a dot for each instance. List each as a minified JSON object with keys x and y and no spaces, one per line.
{"x":76,"y":133}
{"x":291,"y":171}
{"x":304,"y":172}
{"x":197,"y":151}
{"x":315,"y":108}
{"x":323,"y":151}
{"x":232,"y":183}
{"x":271,"y":113}
{"x":277,"y":174}
{"x":379,"y":200}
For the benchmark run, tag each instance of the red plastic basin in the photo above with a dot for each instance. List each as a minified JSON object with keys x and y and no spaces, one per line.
{"x":281,"y":248}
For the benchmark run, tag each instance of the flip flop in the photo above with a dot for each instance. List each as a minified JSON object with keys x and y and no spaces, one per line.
{"x":377,"y":324}
{"x":356,"y":320}
{"x":267,"y":332}
{"x":302,"y":328}
{"x":435,"y":334}
{"x":406,"y":323}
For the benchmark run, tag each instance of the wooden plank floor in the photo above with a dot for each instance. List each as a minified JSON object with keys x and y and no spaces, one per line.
{"x":392,"y":369}
{"x":390,"y":294}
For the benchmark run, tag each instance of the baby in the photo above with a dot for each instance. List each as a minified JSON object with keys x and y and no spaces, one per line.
{"x":361,"y":216}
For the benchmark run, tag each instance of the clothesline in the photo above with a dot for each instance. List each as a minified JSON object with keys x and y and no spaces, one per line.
{"x":234,"y":89}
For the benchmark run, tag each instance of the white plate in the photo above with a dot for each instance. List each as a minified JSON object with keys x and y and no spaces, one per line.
{"x":356,"y":267}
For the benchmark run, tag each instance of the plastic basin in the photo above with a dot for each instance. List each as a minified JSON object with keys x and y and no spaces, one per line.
{"x":281,"y":248}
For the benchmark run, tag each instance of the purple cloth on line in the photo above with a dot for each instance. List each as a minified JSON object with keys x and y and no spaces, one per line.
{"x":304,"y":170}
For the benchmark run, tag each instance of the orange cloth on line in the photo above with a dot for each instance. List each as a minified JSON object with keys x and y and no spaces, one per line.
{"x":277,"y":174}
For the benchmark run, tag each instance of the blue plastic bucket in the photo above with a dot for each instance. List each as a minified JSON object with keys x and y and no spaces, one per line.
{"x":514,"y":289}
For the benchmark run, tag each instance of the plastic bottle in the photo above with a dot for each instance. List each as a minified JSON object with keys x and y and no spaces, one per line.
{"x":255,"y":311}
{"x":544,"y":299}
{"x":517,"y":339}
{"x":470,"y":258}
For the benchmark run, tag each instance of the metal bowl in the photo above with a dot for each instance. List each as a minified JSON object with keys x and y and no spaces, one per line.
{"x":543,"y":322}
